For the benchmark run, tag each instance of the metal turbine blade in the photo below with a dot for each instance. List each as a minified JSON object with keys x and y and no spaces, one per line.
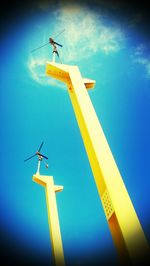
{"x":42,"y":155}
{"x":59,"y":34}
{"x":39,"y":47}
{"x":46,"y":165}
{"x":48,"y":42}
{"x":29,"y":158}
{"x":58,"y":44}
{"x":41,"y":146}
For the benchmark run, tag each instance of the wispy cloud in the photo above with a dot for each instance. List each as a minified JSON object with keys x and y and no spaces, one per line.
{"x":139,"y":50}
{"x":36,"y":68}
{"x":146,"y":63}
{"x":85,"y":34}
{"x":141,"y":57}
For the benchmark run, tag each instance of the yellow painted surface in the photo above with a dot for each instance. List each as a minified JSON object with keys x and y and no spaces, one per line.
{"x":62,"y":74}
{"x":54,"y":227}
{"x":122,"y":219}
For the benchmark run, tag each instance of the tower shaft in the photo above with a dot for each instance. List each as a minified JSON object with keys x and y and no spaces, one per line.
{"x":53,"y":219}
{"x":122,"y":219}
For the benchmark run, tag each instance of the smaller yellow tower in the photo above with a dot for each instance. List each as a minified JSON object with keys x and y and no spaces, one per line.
{"x":53,"y":219}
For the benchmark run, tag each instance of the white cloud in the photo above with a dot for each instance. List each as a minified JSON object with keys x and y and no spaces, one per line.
{"x":141,"y":58}
{"x":85,"y":35}
{"x":36,"y":68}
{"x":146,"y":63}
{"x":140,"y":49}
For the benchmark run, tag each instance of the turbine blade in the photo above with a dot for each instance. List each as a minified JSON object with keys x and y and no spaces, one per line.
{"x":41,"y":146}
{"x":58,"y":44}
{"x":43,"y":156}
{"x":59,"y":34}
{"x":39,"y":47}
{"x":29,"y":158}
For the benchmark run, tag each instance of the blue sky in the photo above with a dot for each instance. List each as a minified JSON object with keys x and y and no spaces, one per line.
{"x":35,"y":108}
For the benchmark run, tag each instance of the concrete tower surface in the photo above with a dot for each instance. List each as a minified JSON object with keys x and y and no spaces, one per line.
{"x":122,"y":219}
{"x":53,"y":219}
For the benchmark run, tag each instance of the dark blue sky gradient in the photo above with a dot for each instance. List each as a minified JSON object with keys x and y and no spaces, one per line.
{"x":32,"y":113}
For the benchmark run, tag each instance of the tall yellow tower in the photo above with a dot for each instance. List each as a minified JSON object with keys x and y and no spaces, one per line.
{"x":54,"y":227}
{"x":122,"y":219}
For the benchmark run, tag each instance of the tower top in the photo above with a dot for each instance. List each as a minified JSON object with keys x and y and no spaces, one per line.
{"x":61,"y":72}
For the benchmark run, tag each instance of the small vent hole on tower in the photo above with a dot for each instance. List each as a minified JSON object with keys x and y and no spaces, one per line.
{"x":108,"y":207}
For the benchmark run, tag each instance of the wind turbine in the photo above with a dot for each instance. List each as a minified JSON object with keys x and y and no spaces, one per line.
{"x":53,"y":43}
{"x":52,"y":211}
{"x":40,"y":158}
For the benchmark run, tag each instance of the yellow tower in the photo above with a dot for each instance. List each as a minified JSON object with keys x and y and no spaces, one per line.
{"x":54,"y":227}
{"x":122,"y":219}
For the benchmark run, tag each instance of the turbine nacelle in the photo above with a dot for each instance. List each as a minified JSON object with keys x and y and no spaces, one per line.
{"x":40,"y":156}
